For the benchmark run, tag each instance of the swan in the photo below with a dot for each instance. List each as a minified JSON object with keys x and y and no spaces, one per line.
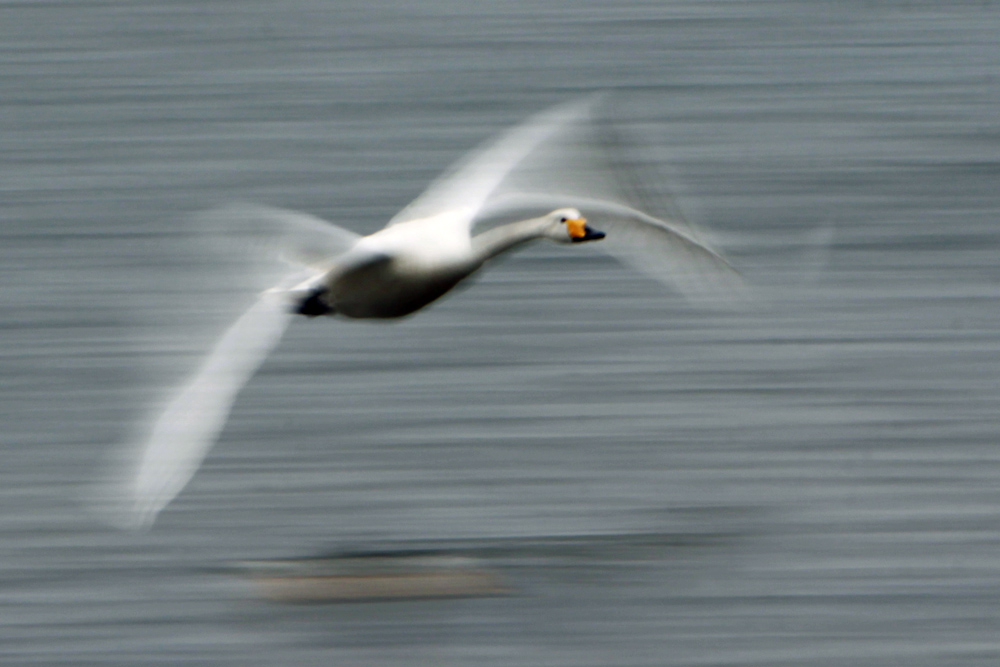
{"x":427,"y":249}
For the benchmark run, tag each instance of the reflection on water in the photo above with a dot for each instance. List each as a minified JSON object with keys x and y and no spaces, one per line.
{"x":834,"y":446}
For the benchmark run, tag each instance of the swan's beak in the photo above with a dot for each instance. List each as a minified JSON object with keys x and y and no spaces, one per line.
{"x":579,"y":231}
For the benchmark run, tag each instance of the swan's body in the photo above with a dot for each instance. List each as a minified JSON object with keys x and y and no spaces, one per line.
{"x":405,"y":267}
{"x":424,"y":252}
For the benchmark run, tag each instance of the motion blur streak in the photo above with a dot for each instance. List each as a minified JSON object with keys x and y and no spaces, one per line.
{"x":822,"y":469}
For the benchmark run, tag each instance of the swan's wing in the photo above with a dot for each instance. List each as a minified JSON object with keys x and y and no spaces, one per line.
{"x":661,"y":249}
{"x":180,"y":436}
{"x":266,"y":233}
{"x":669,"y":254}
{"x":236,"y":276}
{"x":467,"y":185}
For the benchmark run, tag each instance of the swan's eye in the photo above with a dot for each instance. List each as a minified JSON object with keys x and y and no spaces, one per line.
{"x":563,"y":219}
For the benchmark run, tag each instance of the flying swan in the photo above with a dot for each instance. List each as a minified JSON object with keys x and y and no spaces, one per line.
{"x":427,"y":249}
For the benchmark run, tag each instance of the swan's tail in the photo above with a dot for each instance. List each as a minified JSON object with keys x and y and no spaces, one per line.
{"x":314,"y":304}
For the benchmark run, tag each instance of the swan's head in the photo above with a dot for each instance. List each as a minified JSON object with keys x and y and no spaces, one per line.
{"x":566,"y":225}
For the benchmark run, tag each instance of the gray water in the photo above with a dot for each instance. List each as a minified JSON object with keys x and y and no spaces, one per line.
{"x":829,"y":455}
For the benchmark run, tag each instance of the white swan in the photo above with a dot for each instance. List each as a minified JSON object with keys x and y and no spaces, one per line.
{"x":423,"y":252}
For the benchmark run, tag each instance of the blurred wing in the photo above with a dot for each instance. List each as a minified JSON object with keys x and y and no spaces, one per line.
{"x":215,"y":283}
{"x":181,"y":435}
{"x":267,"y":233}
{"x":467,"y":185}
{"x":668,"y":254}
{"x":663,"y":250}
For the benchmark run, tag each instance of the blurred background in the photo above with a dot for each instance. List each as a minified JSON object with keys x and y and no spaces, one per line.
{"x":822,"y":468}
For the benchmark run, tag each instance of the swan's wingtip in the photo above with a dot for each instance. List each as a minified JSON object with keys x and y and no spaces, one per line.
{"x":112,"y":505}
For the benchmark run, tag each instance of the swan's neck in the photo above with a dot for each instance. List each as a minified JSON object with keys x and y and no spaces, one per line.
{"x":500,"y":239}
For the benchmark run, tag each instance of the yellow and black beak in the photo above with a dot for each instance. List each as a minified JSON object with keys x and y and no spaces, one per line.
{"x":579,"y":231}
